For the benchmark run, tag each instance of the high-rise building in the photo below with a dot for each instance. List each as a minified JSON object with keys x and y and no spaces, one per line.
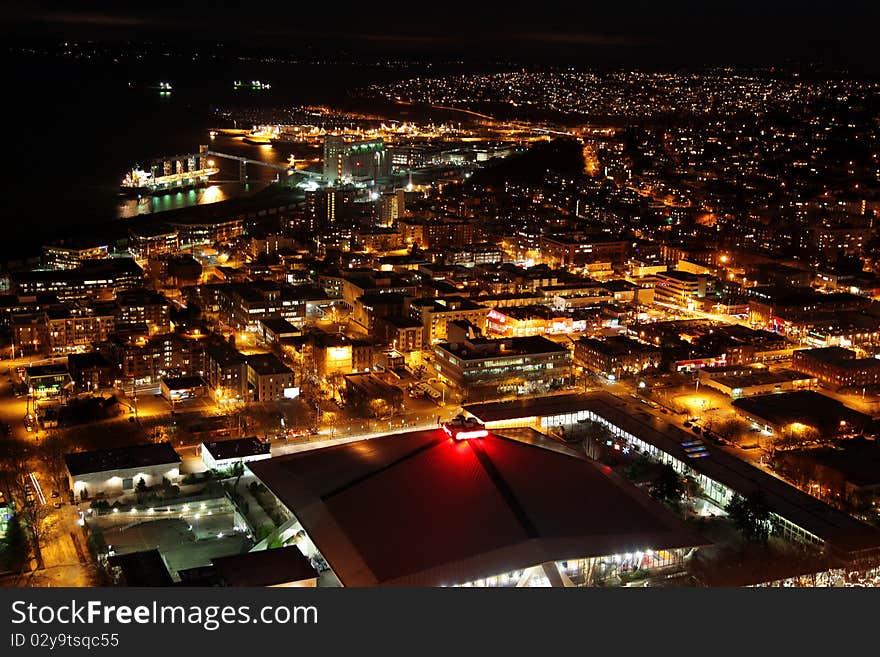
{"x":365,"y":162}
{"x":390,"y":207}
{"x":328,"y":206}
{"x":355,"y":161}
{"x":333,"y":147}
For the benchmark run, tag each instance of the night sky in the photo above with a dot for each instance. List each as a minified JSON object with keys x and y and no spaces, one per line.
{"x":837,"y":33}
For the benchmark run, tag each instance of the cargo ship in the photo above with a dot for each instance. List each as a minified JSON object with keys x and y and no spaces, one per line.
{"x":158,"y":181}
{"x":261,"y":135}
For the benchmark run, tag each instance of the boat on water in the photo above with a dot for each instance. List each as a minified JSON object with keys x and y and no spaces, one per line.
{"x":251,"y":85}
{"x":138,"y":182}
{"x":261,"y":135}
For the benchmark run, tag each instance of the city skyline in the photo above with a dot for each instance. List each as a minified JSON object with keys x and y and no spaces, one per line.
{"x":442,"y":296}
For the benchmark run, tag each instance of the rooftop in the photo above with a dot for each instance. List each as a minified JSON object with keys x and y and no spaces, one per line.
{"x":841,"y":532}
{"x":264,"y":568}
{"x":183,"y":382}
{"x":36,"y":371}
{"x":801,"y":407}
{"x":760,"y":378}
{"x":146,"y":568}
{"x":528,"y":407}
{"x":617,"y":345}
{"x":89,"y":269}
{"x":266,"y":364}
{"x":479,"y":348}
{"x":121,"y":458}
{"x":236,"y":448}
{"x":446,"y":304}
{"x":454,"y":512}
{"x":224,"y":354}
{"x":279,"y":326}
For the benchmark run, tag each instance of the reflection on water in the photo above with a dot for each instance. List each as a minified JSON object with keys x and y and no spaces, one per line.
{"x":132,"y":207}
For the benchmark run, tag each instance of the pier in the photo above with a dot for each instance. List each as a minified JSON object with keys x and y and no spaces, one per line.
{"x":194,"y":169}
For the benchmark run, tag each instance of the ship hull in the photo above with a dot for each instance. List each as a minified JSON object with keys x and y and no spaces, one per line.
{"x":159,"y":191}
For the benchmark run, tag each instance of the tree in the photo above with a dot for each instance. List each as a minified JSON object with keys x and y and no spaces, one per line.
{"x":238,"y":473}
{"x":52,"y":453}
{"x":667,"y":486}
{"x":14,"y":548}
{"x":31,"y":513}
{"x":141,"y":485}
{"x":731,"y":429}
{"x":751,"y":516}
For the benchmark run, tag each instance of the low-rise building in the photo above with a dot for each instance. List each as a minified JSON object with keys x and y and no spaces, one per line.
{"x":90,"y":371}
{"x":278,"y":567}
{"x":70,"y":255}
{"x":789,"y":413}
{"x":403,"y":333}
{"x":116,"y":471}
{"x":365,"y":389}
{"x":274,"y":330}
{"x":524,"y":321}
{"x":93,"y":279}
{"x":226,"y":453}
{"x":225,"y":371}
{"x":580,"y":250}
{"x":269,"y":379}
{"x":680,"y":288}
{"x":745,"y":382}
{"x":147,"y":307}
{"x":485,"y":369}
{"x":334,"y":354}
{"x":617,"y":355}
{"x":47,"y":380}
{"x":837,"y":366}
{"x":436,"y":313}
{"x":150,"y":241}
{"x":181,"y":388}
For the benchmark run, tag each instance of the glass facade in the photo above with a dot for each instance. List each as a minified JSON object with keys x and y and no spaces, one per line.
{"x":714,"y":491}
{"x":589,"y":571}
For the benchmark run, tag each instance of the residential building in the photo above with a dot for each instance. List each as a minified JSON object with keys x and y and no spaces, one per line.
{"x":616,"y":355}
{"x":269,"y":379}
{"x":837,"y":366}
{"x":436,"y":313}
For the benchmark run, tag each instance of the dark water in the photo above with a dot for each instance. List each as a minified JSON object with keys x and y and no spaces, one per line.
{"x":72,"y":130}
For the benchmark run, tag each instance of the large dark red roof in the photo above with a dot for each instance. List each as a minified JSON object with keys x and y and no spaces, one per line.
{"x":421,"y":509}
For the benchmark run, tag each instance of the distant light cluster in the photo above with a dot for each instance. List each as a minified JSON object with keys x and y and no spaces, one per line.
{"x":623,"y":94}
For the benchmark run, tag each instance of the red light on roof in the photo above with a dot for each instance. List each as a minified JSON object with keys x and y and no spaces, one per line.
{"x":462,"y":429}
{"x":467,"y":435}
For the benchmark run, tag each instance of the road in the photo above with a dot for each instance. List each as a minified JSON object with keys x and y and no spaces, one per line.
{"x":191,"y":460}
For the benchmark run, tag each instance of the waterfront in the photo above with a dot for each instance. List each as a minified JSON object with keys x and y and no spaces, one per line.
{"x":79,"y":126}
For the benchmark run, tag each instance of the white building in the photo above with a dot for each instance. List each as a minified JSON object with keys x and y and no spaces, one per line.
{"x":226,"y":453}
{"x":112,"y":472}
